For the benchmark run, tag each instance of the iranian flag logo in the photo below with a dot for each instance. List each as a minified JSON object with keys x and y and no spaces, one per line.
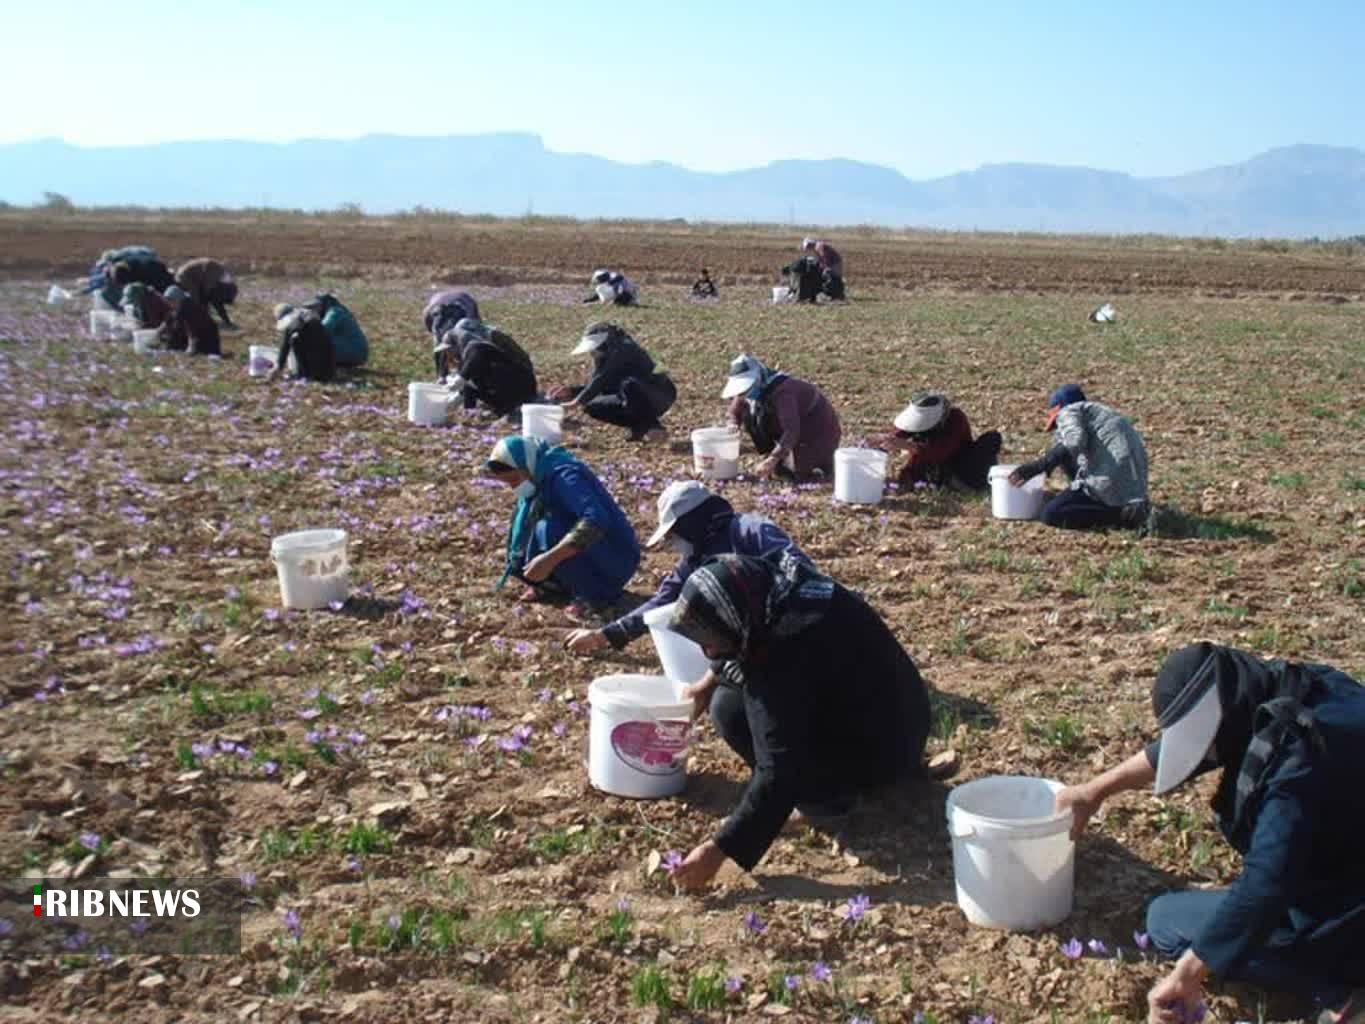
{"x":37,"y":901}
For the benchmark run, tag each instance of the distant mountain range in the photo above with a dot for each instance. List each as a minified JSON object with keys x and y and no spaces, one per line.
{"x":1295,"y":191}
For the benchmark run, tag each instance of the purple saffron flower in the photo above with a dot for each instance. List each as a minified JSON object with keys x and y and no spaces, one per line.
{"x":733,"y":984}
{"x":1073,"y":950}
{"x":248,"y":880}
{"x":673,"y":860}
{"x":1142,"y":940}
{"x":1097,"y":947}
{"x":90,"y":840}
{"x":819,"y":971}
{"x":857,"y":907}
{"x":754,"y":923}
{"x":792,"y":981}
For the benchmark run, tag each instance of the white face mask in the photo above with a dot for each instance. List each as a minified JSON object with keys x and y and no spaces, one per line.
{"x":683,"y":548}
{"x":526,"y":490}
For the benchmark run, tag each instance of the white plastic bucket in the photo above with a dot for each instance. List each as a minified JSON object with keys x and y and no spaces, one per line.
{"x":58,"y":296}
{"x":121,"y":328}
{"x":859,"y":475}
{"x":102,"y":323}
{"x":715,"y":453}
{"x":606,"y":294}
{"x":1010,"y":502}
{"x":781,"y":294}
{"x":638,"y":735}
{"x":427,"y":403}
{"x":1013,"y":858}
{"x":145,"y":341}
{"x":313,"y":567}
{"x":543,"y":421}
{"x":683,"y":660}
{"x":261,"y":360}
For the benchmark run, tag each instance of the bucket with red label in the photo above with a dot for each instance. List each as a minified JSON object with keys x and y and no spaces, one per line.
{"x":638,"y":736}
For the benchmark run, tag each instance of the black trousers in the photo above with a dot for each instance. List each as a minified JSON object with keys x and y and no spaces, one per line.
{"x":633,"y":406}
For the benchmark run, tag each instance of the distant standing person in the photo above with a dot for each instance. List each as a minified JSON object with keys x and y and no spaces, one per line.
{"x":788,"y":419}
{"x":1105,"y":458}
{"x":613,"y":287}
{"x":210,"y":284}
{"x":626,"y":388}
{"x":303,"y":336}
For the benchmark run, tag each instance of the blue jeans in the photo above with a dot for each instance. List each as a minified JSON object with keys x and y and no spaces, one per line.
{"x":1285,"y":964}
{"x":1076,"y":510}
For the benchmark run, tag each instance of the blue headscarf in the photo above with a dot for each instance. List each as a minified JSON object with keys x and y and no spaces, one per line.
{"x":768,"y":378}
{"x":537,"y":459}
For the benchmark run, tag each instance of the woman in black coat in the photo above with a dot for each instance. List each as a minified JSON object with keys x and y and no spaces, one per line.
{"x":808,"y":686}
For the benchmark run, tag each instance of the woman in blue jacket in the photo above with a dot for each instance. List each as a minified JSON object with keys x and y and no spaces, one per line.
{"x":568,"y":536}
{"x":1290,"y":740}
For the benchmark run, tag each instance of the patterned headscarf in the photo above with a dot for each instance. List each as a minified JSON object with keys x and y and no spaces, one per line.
{"x":536,"y":458}
{"x":738,"y":604}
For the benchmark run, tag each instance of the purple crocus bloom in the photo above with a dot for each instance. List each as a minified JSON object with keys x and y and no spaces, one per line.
{"x":90,"y":840}
{"x":248,"y":880}
{"x":1142,"y":940}
{"x":820,"y":971}
{"x":1097,"y":947}
{"x":672,"y":861}
{"x":1073,"y":950}
{"x":292,"y":924}
{"x":733,"y":984}
{"x":857,"y":907}
{"x":754,"y":923}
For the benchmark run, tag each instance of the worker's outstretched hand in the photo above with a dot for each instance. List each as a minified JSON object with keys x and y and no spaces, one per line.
{"x":700,"y":693}
{"x":699,"y":867}
{"x":585,"y":641}
{"x":1082,"y":802}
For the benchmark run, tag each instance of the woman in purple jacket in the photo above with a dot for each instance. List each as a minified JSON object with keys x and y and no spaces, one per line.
{"x":697,"y":525}
{"x":788,"y":419}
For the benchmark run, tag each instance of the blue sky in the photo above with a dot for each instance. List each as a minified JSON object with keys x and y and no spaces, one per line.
{"x":1157,"y":87}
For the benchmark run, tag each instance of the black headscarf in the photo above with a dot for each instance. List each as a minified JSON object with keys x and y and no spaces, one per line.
{"x":712,"y":516}
{"x":1266,"y":720}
